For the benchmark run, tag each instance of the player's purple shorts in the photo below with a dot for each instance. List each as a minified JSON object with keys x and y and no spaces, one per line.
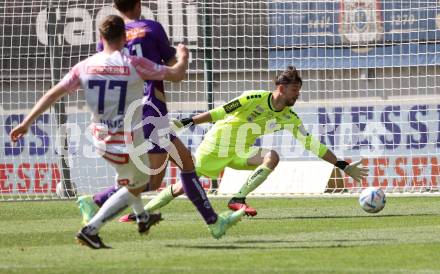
{"x":159,"y":128}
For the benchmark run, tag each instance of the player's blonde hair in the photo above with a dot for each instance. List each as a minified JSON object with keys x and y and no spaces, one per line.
{"x":289,"y":76}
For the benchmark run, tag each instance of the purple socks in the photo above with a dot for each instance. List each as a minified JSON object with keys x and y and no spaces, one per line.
{"x":101,"y":197}
{"x":195,"y":192}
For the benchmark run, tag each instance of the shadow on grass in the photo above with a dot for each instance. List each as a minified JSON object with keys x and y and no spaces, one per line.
{"x":346,"y":216}
{"x":242,"y":247}
{"x":314,"y":241}
{"x":284,"y":244}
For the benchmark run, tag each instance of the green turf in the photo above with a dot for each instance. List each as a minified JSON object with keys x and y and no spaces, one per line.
{"x":310,"y":235}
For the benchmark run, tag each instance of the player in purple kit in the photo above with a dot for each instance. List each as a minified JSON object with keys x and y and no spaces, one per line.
{"x":147,"y":38}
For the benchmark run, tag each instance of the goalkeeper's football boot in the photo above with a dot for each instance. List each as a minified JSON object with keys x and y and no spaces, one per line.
{"x":146,"y":221}
{"x":129,"y":218}
{"x":87,"y":207}
{"x":239,"y":203}
{"x":87,"y":239}
{"x":224,"y":221}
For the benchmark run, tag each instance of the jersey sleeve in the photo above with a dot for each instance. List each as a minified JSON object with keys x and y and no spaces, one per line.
{"x":296,"y":127}
{"x":147,"y":69}
{"x":71,"y":81}
{"x":238,"y":103}
{"x":167,"y":52}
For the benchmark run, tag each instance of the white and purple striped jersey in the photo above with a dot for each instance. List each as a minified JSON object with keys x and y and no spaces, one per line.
{"x":111,"y":83}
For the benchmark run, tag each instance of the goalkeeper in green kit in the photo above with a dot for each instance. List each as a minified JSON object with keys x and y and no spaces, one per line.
{"x":238,"y":124}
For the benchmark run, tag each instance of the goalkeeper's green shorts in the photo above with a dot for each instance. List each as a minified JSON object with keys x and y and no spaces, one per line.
{"x":211,"y":165}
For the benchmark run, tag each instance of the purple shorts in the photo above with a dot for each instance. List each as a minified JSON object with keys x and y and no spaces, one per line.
{"x":157,"y":129}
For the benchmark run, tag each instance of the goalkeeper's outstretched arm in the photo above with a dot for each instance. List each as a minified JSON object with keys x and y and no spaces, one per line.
{"x":215,"y":114}
{"x":353,"y":170}
{"x":201,"y":118}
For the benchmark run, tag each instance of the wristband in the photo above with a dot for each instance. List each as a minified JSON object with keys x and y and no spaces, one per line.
{"x":187,"y":121}
{"x":341,"y":164}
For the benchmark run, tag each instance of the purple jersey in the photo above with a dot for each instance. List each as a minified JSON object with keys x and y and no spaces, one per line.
{"x":148,"y":39}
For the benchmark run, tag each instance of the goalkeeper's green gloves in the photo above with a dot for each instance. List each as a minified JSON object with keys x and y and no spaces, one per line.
{"x":353,"y":170}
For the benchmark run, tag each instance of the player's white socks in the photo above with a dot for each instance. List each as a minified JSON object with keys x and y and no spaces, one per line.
{"x":115,"y":204}
{"x":254,"y":180}
{"x":161,"y":200}
{"x":138,"y":206}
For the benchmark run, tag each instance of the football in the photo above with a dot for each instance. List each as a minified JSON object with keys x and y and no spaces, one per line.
{"x":372,"y":199}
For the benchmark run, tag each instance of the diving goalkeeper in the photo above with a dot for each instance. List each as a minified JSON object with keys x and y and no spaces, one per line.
{"x":238,"y":124}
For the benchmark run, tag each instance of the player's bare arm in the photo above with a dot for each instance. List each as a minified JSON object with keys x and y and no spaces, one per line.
{"x":177,"y":72}
{"x":48,"y":99}
{"x":171,"y":62}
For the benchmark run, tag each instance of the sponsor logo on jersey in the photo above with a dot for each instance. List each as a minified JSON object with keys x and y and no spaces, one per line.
{"x":108,"y":70}
{"x":272,"y":126}
{"x":135,"y":33}
{"x":255,"y":113}
{"x":230,"y":107}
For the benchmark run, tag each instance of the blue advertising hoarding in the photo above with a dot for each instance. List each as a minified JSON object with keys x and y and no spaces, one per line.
{"x":354,"y":33}
{"x":399,"y":142}
{"x":414,"y":54}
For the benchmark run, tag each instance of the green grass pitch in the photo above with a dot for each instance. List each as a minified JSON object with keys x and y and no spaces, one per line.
{"x":289,"y":235}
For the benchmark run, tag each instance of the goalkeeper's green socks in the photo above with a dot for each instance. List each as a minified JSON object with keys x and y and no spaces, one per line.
{"x":254,"y":180}
{"x":161,"y":200}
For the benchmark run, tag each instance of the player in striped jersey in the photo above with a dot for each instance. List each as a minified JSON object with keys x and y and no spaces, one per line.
{"x":238,"y":124}
{"x":112,"y":82}
{"x":148,"y":39}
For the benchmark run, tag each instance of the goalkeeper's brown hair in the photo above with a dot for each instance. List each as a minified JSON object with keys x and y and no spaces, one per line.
{"x":125,"y":5}
{"x":112,"y":28}
{"x":289,"y":76}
